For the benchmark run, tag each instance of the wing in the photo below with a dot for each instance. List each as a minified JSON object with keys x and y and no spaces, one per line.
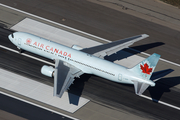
{"x":113,"y":47}
{"x":64,"y":76}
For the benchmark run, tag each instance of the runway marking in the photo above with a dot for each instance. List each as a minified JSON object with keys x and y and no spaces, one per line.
{"x":91,"y":36}
{"x":161,"y":102}
{"x":38,"y":105}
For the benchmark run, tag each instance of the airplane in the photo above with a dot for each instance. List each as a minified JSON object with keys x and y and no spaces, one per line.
{"x":72,"y":62}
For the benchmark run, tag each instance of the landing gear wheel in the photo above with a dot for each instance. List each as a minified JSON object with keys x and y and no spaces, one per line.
{"x":20,"y":50}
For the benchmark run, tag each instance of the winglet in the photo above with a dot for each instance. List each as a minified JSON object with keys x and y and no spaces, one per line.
{"x":144,"y":36}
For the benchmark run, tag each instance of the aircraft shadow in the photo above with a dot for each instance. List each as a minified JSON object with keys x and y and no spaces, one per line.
{"x":131,"y":51}
{"x":163,"y":84}
{"x":75,"y":90}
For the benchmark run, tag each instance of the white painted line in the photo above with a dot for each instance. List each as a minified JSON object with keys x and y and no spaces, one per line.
{"x":77,"y":30}
{"x":91,"y":36}
{"x":37,"y":105}
{"x":161,"y":102}
{"x":27,"y":55}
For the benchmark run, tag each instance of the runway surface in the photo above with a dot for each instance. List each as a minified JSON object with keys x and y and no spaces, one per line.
{"x":112,"y":25}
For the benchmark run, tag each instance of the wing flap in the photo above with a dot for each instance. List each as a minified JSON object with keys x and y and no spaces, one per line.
{"x":63,"y":77}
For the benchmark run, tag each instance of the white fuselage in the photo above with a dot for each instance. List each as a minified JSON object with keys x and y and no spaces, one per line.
{"x":83,"y":61}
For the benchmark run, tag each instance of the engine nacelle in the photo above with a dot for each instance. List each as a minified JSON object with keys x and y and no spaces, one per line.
{"x":77,"y":47}
{"x":47,"y":70}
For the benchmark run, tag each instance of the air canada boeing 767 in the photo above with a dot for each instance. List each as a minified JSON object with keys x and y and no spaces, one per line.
{"x":75,"y":61}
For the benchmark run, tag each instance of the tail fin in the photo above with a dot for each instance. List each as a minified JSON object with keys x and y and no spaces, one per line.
{"x":146,"y":67}
{"x":145,"y":70}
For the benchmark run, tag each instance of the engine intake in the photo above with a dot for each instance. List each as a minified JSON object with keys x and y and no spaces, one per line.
{"x":47,"y":70}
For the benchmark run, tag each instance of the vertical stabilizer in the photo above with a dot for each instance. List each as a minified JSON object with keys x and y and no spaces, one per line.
{"x":145,"y":70}
{"x":146,"y":67}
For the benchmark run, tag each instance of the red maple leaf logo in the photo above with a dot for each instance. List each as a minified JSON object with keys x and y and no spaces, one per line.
{"x":145,"y":69}
{"x":28,"y":41}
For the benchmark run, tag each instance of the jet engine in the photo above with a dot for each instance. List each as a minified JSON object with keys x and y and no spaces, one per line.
{"x":77,"y":47}
{"x":47,"y":70}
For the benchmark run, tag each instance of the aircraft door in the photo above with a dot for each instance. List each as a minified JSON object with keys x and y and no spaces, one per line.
{"x":120,"y":77}
{"x":19,"y":41}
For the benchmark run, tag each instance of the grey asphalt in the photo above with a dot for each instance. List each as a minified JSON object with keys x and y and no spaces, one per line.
{"x":154,"y":10}
{"x":13,"y":108}
{"x":112,"y":25}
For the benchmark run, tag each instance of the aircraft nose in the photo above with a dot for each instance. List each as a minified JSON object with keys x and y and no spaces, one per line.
{"x":11,"y":36}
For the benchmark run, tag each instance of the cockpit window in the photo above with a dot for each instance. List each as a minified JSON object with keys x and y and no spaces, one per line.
{"x":12,"y":35}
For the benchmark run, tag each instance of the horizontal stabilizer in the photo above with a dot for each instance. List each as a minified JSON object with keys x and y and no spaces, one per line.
{"x":140,"y":87}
